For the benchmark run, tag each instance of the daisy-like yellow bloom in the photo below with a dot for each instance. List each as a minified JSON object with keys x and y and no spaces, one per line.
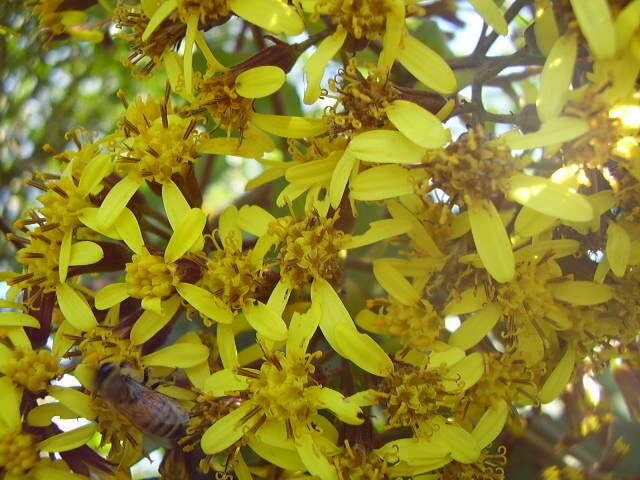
{"x":272,"y":15}
{"x":23,"y":453}
{"x":535,"y":304}
{"x":372,"y":20}
{"x":160,"y":146}
{"x":280,"y":405}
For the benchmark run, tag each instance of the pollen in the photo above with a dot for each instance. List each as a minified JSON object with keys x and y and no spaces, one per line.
{"x":148,"y":276}
{"x":105,"y":344}
{"x":470,"y":167}
{"x":17,"y":452}
{"x":234,"y":278}
{"x":40,"y":257}
{"x":33,"y":369}
{"x":62,"y":203}
{"x":167,"y":35}
{"x":205,"y":412}
{"x":283,"y":387}
{"x":161,"y":148}
{"x":309,"y":248}
{"x":210,"y":12}
{"x":414,"y":395}
{"x":417,"y":325}
{"x":361,"y":101}
{"x":217,"y":94}
{"x":490,"y":466}
{"x":357,"y":463}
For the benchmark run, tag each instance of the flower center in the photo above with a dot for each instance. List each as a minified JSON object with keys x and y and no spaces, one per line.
{"x":361,"y":102}
{"x":62,"y":203}
{"x":358,"y":463}
{"x":234,"y":278}
{"x":470,"y":168}
{"x":40,"y":259}
{"x":361,"y":18}
{"x":33,"y":369}
{"x":148,"y":276}
{"x":416,"y":325}
{"x":210,"y":12}
{"x":161,"y":147}
{"x":217,"y":94}
{"x":102,"y":344}
{"x":309,"y":249}
{"x":17,"y":452}
{"x":282,"y":388}
{"x":415,"y":395}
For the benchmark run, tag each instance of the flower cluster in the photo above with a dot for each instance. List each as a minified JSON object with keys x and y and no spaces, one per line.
{"x":418,"y":294}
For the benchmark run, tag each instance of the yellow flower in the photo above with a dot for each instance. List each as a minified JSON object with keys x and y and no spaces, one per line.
{"x":55,"y":20}
{"x":281,"y":397}
{"x":374,"y":19}
{"x":272,"y":15}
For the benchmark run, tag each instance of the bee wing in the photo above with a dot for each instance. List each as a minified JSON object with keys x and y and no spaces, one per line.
{"x":152,"y":412}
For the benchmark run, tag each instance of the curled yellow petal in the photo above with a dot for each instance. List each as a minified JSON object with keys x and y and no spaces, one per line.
{"x":205,"y":302}
{"x":417,"y":124}
{"x":180,"y":355}
{"x":289,"y":127}
{"x":75,"y":308}
{"x":314,"y":69}
{"x":187,"y":233}
{"x":362,"y":350}
{"x":229,"y":429}
{"x":266,"y":322}
{"x":68,"y":440}
{"x":116,"y":200}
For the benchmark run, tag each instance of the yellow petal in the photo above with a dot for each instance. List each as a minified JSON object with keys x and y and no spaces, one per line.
{"x":556,"y":77}
{"x":175,"y":205}
{"x":85,"y":253}
{"x":259,"y":82}
{"x":42,"y":415}
{"x":301,"y":330}
{"x":180,"y":355}
{"x":555,"y":131}
{"x":116,"y":200}
{"x":415,"y":451}
{"x":205,"y":302}
{"x":465,"y":373}
{"x":474,"y":328}
{"x":557,"y":381}
{"x":491,"y":14}
{"x":549,"y":198}
{"x":426,"y":65}
{"x":491,"y":424}
{"x":14,"y":319}
{"x":222,"y":382}
{"x":229,"y":429}
{"x":152,"y":304}
{"x":129,"y":230}
{"x":64,"y":255}
{"x":281,"y":457}
{"x":394,"y":283}
{"x":418,"y":232}
{"x":594,"y":18}
{"x":94,"y":172}
{"x":417,"y":124}
{"x":254,"y":219}
{"x":618,"y":248}
{"x":11,"y":398}
{"x":470,"y":300}
{"x":189,"y":40}
{"x":379,"y":183}
{"x":110,"y":295}
{"x":394,"y":29}
{"x":314,"y":69}
{"x":161,"y":13}
{"x":464,"y":447}
{"x":378,"y":230}
{"x":89,"y":217}
{"x":491,"y":240}
{"x":266,"y":322}
{"x":385,"y":146}
{"x":289,"y":127}
{"x":150,"y":323}
{"x":50,"y":472}
{"x":314,"y":460}
{"x":77,"y":401}
{"x":272,"y":15}
{"x":582,"y":292}
{"x":550,"y":249}
{"x":345,"y":411}
{"x":227,"y":346}
{"x":75,"y":308}
{"x":362,"y":350}
{"x":545,"y":27}
{"x":530,"y":222}
{"x":68,"y":440}
{"x":340,"y":176}
{"x":187,"y":233}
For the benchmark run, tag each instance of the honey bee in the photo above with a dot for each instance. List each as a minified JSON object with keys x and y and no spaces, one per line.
{"x":150,"y":411}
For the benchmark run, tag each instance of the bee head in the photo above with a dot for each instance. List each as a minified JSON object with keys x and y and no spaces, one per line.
{"x":105,"y":371}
